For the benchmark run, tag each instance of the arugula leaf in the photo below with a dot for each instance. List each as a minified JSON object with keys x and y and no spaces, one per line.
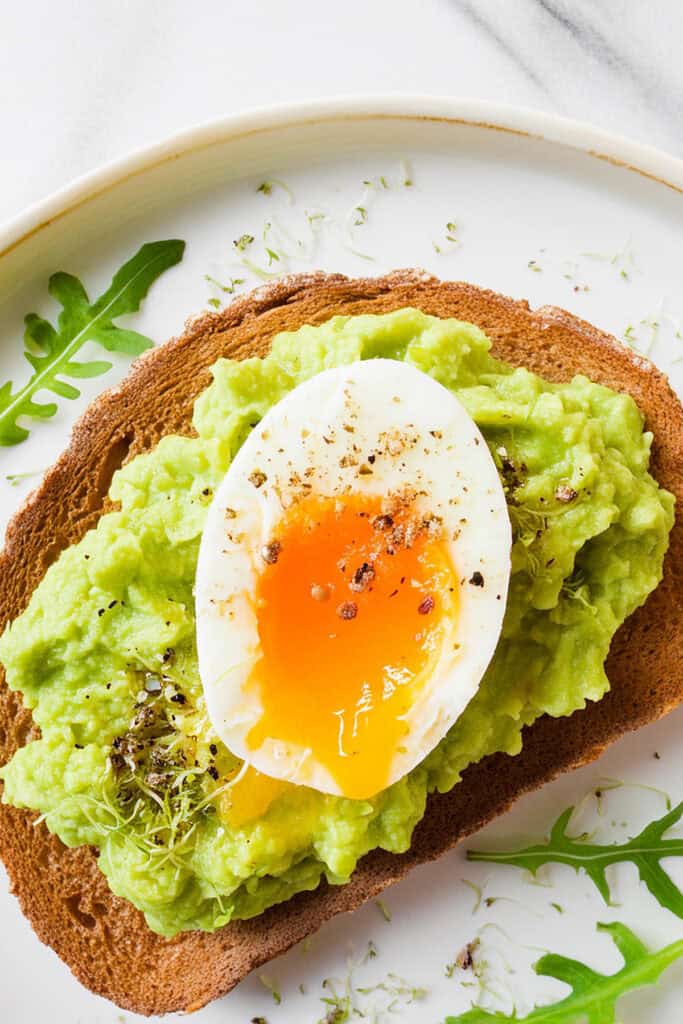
{"x":50,"y":350}
{"x":593,"y":996}
{"x":646,"y":851}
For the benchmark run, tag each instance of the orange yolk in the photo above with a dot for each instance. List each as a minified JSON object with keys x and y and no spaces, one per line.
{"x":351,"y":607}
{"x":249,"y":797}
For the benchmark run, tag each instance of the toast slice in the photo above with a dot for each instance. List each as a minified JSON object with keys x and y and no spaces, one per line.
{"x":104,"y":939}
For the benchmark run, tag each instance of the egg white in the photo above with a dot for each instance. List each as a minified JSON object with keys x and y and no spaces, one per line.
{"x":298,"y":447}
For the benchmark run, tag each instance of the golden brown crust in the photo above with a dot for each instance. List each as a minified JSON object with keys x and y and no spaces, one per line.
{"x":102,"y":938}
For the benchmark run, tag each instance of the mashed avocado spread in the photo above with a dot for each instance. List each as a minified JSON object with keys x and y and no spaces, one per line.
{"x":105,"y":654}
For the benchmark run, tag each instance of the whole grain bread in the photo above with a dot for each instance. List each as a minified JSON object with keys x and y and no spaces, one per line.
{"x":101,"y":937}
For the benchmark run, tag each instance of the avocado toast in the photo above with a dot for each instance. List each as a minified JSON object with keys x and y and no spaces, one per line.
{"x":156,"y":400}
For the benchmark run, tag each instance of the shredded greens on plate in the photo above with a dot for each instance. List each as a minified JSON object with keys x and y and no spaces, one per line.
{"x":50,"y":350}
{"x":593,"y":997}
{"x":645,"y":850}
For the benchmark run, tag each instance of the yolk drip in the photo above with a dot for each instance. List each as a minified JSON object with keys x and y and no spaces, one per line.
{"x":351,"y":607}
{"x":249,"y":797}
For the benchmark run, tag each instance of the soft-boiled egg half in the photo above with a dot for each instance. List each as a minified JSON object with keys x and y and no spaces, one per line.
{"x":352,"y":579}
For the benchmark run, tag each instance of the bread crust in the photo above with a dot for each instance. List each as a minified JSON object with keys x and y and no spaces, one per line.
{"x":104,"y":939}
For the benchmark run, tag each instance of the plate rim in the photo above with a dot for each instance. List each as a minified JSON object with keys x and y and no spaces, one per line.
{"x":652,"y":163}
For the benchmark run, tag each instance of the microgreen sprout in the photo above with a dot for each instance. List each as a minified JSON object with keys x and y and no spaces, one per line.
{"x":14,"y":479}
{"x":243,"y":242}
{"x":272,"y":986}
{"x":406,"y":174}
{"x":229,"y":287}
{"x":623,"y":261}
{"x":644,"y":335}
{"x":266,"y":188}
{"x":476,"y":889}
{"x":345,"y":1000}
{"x":451,"y":239}
{"x":371,"y":952}
{"x":383,"y":909}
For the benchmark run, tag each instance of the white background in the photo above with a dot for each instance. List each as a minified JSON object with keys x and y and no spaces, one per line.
{"x":86,"y":81}
{"x":82,"y":83}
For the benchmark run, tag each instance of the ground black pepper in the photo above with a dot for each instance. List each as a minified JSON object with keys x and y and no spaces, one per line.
{"x":347,"y":610}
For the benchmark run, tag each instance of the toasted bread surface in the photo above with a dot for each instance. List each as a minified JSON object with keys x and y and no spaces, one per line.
{"x":104,"y":939}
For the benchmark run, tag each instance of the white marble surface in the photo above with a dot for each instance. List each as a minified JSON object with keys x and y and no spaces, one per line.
{"x":82,"y":83}
{"x":85,"y":81}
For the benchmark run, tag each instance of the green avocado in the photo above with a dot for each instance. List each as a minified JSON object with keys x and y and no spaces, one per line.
{"x":105,"y":654}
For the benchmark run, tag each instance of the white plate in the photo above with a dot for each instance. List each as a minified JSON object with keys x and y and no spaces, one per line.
{"x":520,"y":187}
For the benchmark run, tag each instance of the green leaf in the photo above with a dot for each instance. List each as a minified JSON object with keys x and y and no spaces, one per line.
{"x":50,"y":351}
{"x":593,"y":997}
{"x":646,"y":851}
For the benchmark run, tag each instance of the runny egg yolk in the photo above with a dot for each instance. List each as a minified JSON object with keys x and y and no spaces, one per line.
{"x":249,"y":797}
{"x":352,"y":605}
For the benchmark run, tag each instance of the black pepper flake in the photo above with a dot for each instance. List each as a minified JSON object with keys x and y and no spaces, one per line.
{"x":476,"y":579}
{"x":100,"y":612}
{"x":213,"y":772}
{"x":179,"y":698}
{"x":271,"y":552}
{"x":465,"y":958}
{"x":167,"y":655}
{"x":371,"y":459}
{"x":347,"y":610}
{"x":362,"y":577}
{"x":426,"y":605}
{"x":394,"y":593}
{"x":79,"y":746}
{"x":257,"y":478}
{"x":213,"y":749}
{"x":382,"y":522}
{"x":565,"y":494}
